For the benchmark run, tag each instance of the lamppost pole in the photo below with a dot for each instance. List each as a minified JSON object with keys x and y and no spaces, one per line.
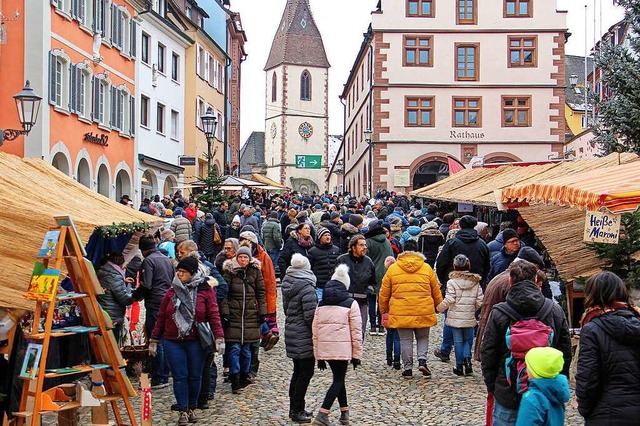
{"x":28,"y":104}
{"x":209,"y":123}
{"x":367,"y":137}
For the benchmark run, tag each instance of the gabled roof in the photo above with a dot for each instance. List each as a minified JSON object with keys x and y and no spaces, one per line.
{"x":252,"y":152}
{"x":575,"y":65}
{"x":297,"y":40}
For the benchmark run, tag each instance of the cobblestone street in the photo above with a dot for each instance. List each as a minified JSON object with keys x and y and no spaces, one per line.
{"x":377,"y":394}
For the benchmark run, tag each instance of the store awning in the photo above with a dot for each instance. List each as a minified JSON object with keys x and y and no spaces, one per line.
{"x":616,"y":188}
{"x":159,"y":164}
{"x":267,"y":181}
{"x":478,"y":186}
{"x":27,"y":211}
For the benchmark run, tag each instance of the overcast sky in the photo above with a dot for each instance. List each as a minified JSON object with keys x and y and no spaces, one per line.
{"x":342,"y":23}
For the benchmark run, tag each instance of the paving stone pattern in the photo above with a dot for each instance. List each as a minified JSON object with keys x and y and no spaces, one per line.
{"x":377,"y":394}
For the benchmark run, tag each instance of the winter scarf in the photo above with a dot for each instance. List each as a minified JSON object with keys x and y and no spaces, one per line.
{"x":185,"y":303}
{"x":597,"y":311}
{"x":305,"y":244}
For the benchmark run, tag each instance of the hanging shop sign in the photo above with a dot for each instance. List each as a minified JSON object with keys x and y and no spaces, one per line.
{"x":602,"y":227}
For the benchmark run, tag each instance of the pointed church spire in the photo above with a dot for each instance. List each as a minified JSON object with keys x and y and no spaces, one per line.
{"x":297,"y":40}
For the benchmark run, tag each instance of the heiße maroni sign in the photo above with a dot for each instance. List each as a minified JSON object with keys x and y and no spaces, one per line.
{"x":601,"y":227}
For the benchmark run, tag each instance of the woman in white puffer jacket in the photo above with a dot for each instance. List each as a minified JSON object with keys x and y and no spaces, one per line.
{"x":463,"y":299}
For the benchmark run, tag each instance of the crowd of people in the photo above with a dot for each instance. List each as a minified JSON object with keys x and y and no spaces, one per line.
{"x":387,"y":265}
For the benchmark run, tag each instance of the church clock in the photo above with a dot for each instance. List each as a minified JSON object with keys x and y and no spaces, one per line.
{"x":305,"y":130}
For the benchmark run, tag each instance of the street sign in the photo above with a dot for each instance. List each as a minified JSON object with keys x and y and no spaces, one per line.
{"x":308,"y":161}
{"x":187,"y":161}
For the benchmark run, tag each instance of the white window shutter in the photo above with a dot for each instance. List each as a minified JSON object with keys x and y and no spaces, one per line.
{"x":120,"y":29}
{"x":206,"y":67}
{"x":82,"y":10}
{"x":198,"y":59}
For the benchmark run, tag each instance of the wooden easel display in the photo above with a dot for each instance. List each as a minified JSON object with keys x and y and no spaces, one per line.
{"x":63,"y":244}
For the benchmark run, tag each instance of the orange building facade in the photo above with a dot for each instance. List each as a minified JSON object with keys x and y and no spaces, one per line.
{"x":81,"y":60}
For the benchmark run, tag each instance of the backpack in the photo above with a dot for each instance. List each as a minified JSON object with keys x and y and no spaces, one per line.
{"x":522,"y":335}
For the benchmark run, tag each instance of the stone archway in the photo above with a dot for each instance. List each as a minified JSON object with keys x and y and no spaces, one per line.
{"x":430,"y":172}
{"x":123,"y":184}
{"x":103,"y":181}
{"x":83,"y":174}
{"x":61,"y":162}
{"x":500,"y":157}
{"x":148,"y":184}
{"x":170,"y":183}
{"x":304,"y":185}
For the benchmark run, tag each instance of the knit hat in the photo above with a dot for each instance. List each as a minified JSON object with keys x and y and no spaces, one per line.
{"x":335,"y":215}
{"x":396,"y":223}
{"x":167,"y":233}
{"x":468,"y":222}
{"x":298,"y":261}
{"x":248,"y":235}
{"x":530,"y":255}
{"x":388,"y":261}
{"x":321,"y":232}
{"x":325,"y":216}
{"x":189,"y":264}
{"x":342,"y":274}
{"x":355,"y":219}
{"x":178,"y":211}
{"x":168,"y":213}
{"x":302,"y":215}
{"x":544,"y":362}
{"x":508,"y":234}
{"x":460,"y":262}
{"x":146,"y":243}
{"x":244,"y":250}
{"x":371,"y":215}
{"x":201,"y":213}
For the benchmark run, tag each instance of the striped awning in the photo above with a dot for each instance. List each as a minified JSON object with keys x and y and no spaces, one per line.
{"x":616,"y":188}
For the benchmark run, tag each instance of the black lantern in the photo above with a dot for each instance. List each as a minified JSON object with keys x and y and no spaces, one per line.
{"x":209,"y":123}
{"x":28,"y":104}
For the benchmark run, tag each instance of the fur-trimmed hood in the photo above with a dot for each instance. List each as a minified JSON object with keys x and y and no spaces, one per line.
{"x":431,"y":232}
{"x":232,"y":265}
{"x":348,"y":228}
{"x":465,"y":279}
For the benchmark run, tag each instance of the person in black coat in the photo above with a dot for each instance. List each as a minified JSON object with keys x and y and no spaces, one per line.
{"x":362,"y":274}
{"x":323,"y":258}
{"x":525,"y":298}
{"x":609,"y":361}
{"x":204,"y":237}
{"x":300,"y":241}
{"x":429,"y":242}
{"x":507,"y":254}
{"x":220,"y":215}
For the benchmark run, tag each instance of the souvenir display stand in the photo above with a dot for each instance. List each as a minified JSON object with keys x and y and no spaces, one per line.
{"x":64,"y":245}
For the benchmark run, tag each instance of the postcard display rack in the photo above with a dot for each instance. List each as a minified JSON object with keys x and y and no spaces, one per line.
{"x":64,"y":245}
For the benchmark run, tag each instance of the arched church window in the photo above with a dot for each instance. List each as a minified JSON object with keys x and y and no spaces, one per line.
{"x":305,"y":86}
{"x":274,"y":87}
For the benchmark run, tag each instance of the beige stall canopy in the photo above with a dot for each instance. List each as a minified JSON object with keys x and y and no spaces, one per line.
{"x":32,"y":192}
{"x":559,"y":228}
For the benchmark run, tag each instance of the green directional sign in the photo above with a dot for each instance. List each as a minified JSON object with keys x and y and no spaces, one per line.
{"x":308,"y":161}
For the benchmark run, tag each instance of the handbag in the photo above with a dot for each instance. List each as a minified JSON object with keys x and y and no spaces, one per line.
{"x":207,"y":341}
{"x":216,"y":236}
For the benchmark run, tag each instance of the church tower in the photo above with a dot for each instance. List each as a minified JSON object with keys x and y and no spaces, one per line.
{"x":297,"y":106}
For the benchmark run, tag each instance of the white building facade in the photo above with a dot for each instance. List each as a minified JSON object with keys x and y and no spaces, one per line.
{"x":436,"y":82}
{"x":160,"y":101}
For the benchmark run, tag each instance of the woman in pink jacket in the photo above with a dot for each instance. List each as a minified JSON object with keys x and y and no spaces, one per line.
{"x":337,"y":338}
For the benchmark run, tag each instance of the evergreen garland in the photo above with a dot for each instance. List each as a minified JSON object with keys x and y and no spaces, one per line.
{"x":117,"y":229}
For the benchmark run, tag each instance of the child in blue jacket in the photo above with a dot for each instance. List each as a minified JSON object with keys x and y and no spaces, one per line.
{"x":543,"y":403}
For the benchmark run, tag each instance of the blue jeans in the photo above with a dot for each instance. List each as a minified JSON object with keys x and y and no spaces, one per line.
{"x":463,"y":340}
{"x":186,"y":358}
{"x":447,"y":337}
{"x":503,"y":416}
{"x":159,"y":363}
{"x":393,"y":344}
{"x":209,"y":378}
{"x":374,"y":318}
{"x":274,"y":254}
{"x":239,"y":358}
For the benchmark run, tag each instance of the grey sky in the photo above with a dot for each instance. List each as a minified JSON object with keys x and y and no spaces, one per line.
{"x":342,"y":23}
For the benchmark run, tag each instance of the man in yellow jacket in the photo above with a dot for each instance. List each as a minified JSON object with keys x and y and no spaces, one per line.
{"x":409,"y":293}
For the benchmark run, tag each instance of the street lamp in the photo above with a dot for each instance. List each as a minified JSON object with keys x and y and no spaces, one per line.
{"x":209,"y":123}
{"x":573,"y":80}
{"x":28,"y":104}
{"x":367,"y":138}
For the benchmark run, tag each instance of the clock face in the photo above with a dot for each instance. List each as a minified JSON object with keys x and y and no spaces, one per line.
{"x":306,"y":130}
{"x":274,"y":130}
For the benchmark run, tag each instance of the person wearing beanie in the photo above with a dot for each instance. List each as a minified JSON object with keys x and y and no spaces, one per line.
{"x":430,"y":241}
{"x":337,"y":340}
{"x":468,"y":222}
{"x":189,"y":301}
{"x":208,"y":236}
{"x":501,"y":260}
{"x":544,"y":402}
{"x":242,"y":313}
{"x":323,"y":257}
{"x":168,"y":245}
{"x":348,"y":230}
{"x":299,"y":302}
{"x":463,"y":298}
{"x":496,"y":245}
{"x":356,"y":220}
{"x":181,"y":226}
{"x":156,"y":275}
{"x":300,"y":241}
{"x":378,"y":248}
